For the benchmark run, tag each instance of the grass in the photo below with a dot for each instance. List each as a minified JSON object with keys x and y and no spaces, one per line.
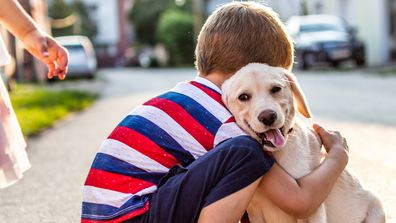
{"x":388,"y":72}
{"x":38,"y":108}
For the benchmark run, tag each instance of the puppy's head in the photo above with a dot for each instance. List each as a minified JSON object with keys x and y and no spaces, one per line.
{"x":260,"y":97}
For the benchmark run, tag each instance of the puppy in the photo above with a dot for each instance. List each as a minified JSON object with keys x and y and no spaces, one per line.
{"x":264,"y":100}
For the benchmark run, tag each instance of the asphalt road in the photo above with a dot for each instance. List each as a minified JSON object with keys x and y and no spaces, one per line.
{"x":360,"y":105}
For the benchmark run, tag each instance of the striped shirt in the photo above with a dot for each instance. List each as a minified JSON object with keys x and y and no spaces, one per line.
{"x":176,"y":127}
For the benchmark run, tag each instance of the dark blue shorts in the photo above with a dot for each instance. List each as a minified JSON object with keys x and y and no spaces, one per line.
{"x":226,"y":169}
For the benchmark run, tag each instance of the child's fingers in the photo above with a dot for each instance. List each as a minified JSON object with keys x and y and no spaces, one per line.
{"x":319,"y":129}
{"x":62,"y":75}
{"x":51,"y":70}
{"x":60,"y":54}
{"x":43,"y":48}
{"x":62,"y":59}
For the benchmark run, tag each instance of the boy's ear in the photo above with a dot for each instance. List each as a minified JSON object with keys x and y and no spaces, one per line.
{"x":299,"y":97}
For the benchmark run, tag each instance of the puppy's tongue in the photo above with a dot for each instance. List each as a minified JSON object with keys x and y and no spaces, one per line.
{"x":275,"y":137}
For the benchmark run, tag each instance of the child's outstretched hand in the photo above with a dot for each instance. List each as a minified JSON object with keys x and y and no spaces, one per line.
{"x":335,"y":145}
{"x":45,"y":48}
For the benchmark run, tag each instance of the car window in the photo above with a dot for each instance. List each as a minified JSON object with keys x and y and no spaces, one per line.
{"x":74,"y":47}
{"x":319,"y":27}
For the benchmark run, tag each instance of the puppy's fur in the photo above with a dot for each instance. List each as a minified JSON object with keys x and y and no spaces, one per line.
{"x":348,"y":202}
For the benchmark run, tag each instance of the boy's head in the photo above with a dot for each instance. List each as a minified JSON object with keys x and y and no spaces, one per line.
{"x":239,"y":33}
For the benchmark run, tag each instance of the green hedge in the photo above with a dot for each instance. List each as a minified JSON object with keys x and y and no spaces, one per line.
{"x":175,"y":31}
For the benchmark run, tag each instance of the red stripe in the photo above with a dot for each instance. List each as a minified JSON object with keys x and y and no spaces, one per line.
{"x":213,"y":94}
{"x":181,"y":116}
{"x":143,"y":144}
{"x":115,"y":182}
{"x":122,"y":218}
{"x":231,"y":119}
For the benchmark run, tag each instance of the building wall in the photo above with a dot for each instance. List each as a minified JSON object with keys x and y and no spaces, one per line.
{"x":105,"y":13}
{"x":285,"y":8}
{"x":371,"y":18}
{"x":113,"y":31}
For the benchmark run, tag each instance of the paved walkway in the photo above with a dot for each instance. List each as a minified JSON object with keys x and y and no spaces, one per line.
{"x":61,"y":156}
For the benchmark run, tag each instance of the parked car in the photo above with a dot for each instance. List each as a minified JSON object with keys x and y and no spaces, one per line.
{"x":82,"y":60}
{"x":325,"y":38}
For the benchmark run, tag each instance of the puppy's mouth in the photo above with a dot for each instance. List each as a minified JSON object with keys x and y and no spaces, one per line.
{"x":274,"y":138}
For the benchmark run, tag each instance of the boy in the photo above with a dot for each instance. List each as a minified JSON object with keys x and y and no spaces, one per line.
{"x":181,"y":158}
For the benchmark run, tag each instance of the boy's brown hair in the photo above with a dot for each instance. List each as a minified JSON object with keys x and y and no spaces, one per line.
{"x":239,"y":33}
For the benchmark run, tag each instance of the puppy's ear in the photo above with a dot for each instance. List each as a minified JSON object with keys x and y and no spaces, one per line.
{"x":225,"y":92}
{"x":302,"y":105}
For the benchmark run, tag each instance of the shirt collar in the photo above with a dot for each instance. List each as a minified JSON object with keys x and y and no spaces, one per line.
{"x":207,"y":83}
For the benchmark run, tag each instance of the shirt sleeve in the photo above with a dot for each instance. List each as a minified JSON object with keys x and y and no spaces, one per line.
{"x":226,"y":131}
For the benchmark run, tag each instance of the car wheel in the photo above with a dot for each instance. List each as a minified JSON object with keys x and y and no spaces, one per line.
{"x":90,"y":76}
{"x":360,"y":62}
{"x":335,"y":64}
{"x":359,"y":58}
{"x":306,"y":61}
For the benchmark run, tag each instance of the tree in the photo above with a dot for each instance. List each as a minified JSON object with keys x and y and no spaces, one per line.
{"x":71,"y":19}
{"x":175,"y":31}
{"x":60,"y":10}
{"x":145,"y":15}
{"x":87,"y":25}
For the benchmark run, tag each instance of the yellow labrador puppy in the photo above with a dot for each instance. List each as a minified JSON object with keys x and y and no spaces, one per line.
{"x":264,"y":100}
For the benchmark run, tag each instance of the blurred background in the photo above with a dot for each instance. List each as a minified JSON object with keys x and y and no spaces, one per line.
{"x":122,"y":52}
{"x":150,"y":33}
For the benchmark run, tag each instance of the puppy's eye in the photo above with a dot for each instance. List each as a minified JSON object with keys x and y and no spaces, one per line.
{"x":244,"y":97}
{"x":275,"y":90}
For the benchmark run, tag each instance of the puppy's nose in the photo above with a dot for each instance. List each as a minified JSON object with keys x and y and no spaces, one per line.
{"x":267,"y":117}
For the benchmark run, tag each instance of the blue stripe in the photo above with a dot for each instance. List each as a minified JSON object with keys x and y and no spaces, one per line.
{"x":106,"y":212}
{"x":111,"y":164}
{"x":96,"y":211}
{"x":196,"y":110}
{"x":158,"y":136}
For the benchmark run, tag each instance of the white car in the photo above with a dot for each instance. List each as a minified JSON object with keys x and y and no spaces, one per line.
{"x":82,"y":60}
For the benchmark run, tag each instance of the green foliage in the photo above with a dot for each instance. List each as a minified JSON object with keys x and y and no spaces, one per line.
{"x":145,"y":15}
{"x":175,"y":31}
{"x":38,"y":108}
{"x":59,"y":9}
{"x":87,"y":25}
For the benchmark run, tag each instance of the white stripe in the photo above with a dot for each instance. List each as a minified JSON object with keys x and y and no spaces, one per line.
{"x":207,"y":82}
{"x":128,"y":154}
{"x":218,"y":110}
{"x":226,"y":131}
{"x":109,"y":197}
{"x":167,"y":123}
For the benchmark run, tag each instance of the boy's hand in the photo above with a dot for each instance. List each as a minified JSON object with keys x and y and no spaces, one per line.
{"x":333,"y":142}
{"x":47,"y":50}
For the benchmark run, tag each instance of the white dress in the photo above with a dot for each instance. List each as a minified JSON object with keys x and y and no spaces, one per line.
{"x":13,"y":157}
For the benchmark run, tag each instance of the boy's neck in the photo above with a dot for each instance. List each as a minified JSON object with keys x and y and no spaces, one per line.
{"x":216,"y":78}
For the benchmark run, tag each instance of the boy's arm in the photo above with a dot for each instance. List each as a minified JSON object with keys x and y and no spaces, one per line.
{"x":302,"y":197}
